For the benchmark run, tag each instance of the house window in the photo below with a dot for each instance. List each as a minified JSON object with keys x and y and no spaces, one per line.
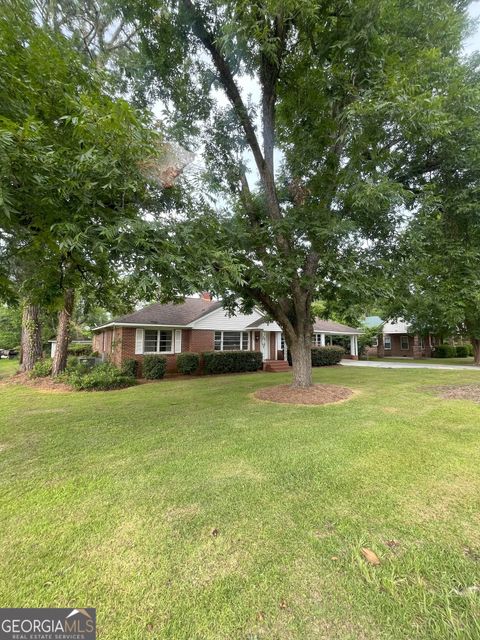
{"x":387,"y":343}
{"x":158,"y":341}
{"x":317,"y":340}
{"x":404,"y":344}
{"x":282,"y":342}
{"x":422,"y":342}
{"x":231,"y":341}
{"x":375,"y":341}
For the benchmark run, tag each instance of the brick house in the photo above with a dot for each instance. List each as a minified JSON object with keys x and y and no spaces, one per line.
{"x":395,"y":339}
{"x":197,"y":325}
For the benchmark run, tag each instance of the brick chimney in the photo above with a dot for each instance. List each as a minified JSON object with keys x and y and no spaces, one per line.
{"x":205,"y":295}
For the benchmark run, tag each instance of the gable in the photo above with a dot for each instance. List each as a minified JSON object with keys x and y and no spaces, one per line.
{"x":220,"y":321}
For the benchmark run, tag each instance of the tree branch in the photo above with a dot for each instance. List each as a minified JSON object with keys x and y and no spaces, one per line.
{"x":227,"y":80}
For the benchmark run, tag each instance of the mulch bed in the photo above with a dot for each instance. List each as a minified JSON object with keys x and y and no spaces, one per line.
{"x":42,"y":384}
{"x":458,"y":392}
{"x":317,"y":394}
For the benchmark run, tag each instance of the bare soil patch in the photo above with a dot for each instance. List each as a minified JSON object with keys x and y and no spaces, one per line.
{"x":458,"y":392}
{"x":316,"y":394}
{"x":42,"y":384}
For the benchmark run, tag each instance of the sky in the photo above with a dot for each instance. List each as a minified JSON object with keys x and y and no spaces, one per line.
{"x":473,"y":43}
{"x":249,"y":88}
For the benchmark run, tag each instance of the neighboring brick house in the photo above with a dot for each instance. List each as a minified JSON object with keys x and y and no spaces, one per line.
{"x":396,"y":340}
{"x":197,"y":325}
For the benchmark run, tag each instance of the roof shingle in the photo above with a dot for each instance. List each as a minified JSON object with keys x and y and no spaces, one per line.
{"x":179,"y":314}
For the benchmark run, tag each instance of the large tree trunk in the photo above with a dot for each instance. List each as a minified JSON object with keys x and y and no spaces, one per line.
{"x":31,"y":347}
{"x":301,"y":351}
{"x":64,"y":317}
{"x":476,"y":350}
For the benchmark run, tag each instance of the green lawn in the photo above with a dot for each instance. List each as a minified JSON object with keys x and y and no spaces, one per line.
{"x":463,"y":361}
{"x":109,"y":500}
{"x":8,"y":367}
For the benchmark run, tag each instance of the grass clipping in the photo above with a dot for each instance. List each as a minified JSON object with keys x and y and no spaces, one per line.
{"x":316,"y":394}
{"x":458,"y":392}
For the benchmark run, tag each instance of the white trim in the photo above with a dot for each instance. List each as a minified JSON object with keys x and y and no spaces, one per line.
{"x":160,"y":353}
{"x":138,"y":342}
{"x":221,"y":331}
{"x":268,"y":328}
{"x":178,"y":341}
{"x":338,"y":333}
{"x":265,"y":345}
{"x":134,"y":325}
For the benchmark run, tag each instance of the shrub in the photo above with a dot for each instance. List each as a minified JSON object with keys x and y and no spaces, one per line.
{"x":129,"y":367}
{"x":41,"y":369}
{"x":81,"y":364}
{"x":326,"y":356}
{"x":462,"y":350}
{"x":445,"y":351}
{"x":154,"y":367}
{"x":188,"y":363}
{"x":102,"y":377}
{"x":323,"y":356}
{"x":470,"y":349}
{"x":79,"y":349}
{"x":232,"y":361}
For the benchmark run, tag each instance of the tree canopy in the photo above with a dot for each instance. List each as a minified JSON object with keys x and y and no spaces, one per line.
{"x":437,"y":278}
{"x":72,"y":161}
{"x":312,"y":174}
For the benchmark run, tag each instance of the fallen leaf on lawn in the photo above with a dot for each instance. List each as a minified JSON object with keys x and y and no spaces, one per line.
{"x":467,"y":590}
{"x":472,"y":554}
{"x":214,"y":532}
{"x":370,"y":556}
{"x":261,"y":616}
{"x":334,"y":557}
{"x":392,"y":543}
{"x":283,"y":604}
{"x":149,"y":626}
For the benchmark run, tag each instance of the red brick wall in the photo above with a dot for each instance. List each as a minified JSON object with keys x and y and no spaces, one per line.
{"x":200,"y":340}
{"x":196,"y":340}
{"x":414,"y":349}
{"x":97,"y":342}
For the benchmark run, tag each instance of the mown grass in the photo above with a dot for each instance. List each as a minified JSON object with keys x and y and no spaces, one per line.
{"x":468,"y":361}
{"x":110,"y":500}
{"x":8,"y":367}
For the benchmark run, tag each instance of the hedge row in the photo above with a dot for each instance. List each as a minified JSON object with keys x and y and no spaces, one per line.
{"x":188,"y":363}
{"x":231,"y":361}
{"x":102,"y":377}
{"x":154,"y":367}
{"x":451,"y":351}
{"x":323,"y":356}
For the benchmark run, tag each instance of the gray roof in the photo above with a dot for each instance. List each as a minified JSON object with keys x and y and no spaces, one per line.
{"x":180,"y":314}
{"x":319,"y":325}
{"x":333,"y":327}
{"x":183,"y":313}
{"x":258,"y":323}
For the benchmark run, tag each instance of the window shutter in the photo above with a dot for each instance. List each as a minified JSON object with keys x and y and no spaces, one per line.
{"x":139,"y":341}
{"x":178,"y":340}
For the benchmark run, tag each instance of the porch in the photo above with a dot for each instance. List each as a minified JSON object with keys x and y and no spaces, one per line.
{"x":274,"y":349}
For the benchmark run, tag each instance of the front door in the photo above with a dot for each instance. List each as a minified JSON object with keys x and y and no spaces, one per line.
{"x":265,"y":345}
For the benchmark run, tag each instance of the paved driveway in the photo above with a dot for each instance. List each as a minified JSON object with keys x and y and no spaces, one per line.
{"x":385,"y":364}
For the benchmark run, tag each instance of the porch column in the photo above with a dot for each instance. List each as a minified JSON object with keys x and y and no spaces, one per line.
{"x":322,"y":339}
{"x":353,"y":348}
